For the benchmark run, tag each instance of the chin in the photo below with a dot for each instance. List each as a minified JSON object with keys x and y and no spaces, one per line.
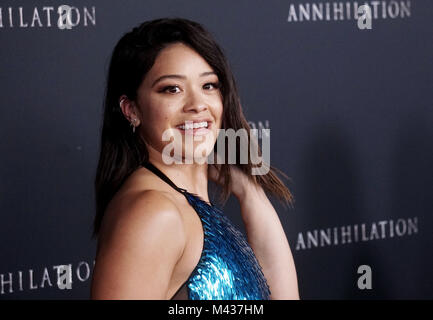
{"x":199,"y":155}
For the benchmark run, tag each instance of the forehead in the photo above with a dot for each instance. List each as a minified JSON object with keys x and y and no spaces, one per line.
{"x":178,"y":58}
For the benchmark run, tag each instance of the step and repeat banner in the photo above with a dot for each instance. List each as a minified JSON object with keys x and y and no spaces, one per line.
{"x":345,"y":87}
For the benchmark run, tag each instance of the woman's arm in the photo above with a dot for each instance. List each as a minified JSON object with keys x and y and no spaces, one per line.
{"x":265,"y":235}
{"x":139,"y":245}
{"x":267,"y":239}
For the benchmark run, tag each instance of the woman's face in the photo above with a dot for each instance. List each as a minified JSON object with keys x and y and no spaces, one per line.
{"x":180,"y":88}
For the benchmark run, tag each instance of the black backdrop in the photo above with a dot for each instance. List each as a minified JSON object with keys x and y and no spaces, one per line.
{"x":350,"y":113}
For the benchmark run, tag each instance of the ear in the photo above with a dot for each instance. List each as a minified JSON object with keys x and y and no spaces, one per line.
{"x":129,"y":110}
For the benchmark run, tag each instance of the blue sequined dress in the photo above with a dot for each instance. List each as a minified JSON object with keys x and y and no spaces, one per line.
{"x":228,"y":268}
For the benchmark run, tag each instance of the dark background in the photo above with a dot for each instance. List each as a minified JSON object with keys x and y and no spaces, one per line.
{"x":350,"y":113}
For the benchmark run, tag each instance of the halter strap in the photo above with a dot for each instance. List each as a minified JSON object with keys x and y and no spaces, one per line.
{"x":160,"y":174}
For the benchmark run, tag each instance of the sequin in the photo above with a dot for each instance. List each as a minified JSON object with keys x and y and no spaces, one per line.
{"x":227,"y":268}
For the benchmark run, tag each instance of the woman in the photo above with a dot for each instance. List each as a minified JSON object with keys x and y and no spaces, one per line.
{"x":159,"y":236}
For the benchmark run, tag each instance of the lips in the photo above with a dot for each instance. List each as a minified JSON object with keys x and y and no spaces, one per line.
{"x":189,"y":121}
{"x":195,"y":131}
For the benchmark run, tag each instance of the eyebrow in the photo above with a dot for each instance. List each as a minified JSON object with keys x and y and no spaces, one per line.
{"x":178,"y":76}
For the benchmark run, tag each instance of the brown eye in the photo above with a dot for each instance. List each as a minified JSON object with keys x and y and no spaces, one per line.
{"x":214,"y":84}
{"x":170,"y":89}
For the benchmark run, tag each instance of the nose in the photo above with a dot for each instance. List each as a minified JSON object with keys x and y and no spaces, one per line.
{"x":195,"y":102}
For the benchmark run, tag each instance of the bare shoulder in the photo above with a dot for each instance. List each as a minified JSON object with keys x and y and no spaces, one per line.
{"x":141,"y":241}
{"x":140,"y":211}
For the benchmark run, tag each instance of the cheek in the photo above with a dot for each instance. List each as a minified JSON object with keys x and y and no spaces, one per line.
{"x":154,"y":123}
{"x":154,"y":126}
{"x":218,"y":115}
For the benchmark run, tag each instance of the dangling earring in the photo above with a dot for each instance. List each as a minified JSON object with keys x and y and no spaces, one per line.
{"x":133,"y":125}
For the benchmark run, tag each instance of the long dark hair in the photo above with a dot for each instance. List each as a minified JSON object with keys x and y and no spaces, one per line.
{"x":121,"y":151}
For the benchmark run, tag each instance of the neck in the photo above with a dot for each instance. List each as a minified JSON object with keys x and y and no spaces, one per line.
{"x":192,"y":177}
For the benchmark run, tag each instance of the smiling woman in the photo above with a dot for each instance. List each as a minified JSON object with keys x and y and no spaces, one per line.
{"x":159,"y":235}
{"x":185,"y":90}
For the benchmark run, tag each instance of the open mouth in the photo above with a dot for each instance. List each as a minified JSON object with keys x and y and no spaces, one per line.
{"x":196,"y":128}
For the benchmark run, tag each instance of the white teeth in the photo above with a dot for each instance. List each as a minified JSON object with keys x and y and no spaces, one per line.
{"x":194,"y":126}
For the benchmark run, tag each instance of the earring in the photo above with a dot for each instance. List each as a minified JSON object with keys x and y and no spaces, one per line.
{"x":133,"y":125}
{"x":121,"y":101}
{"x":133,"y":120}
